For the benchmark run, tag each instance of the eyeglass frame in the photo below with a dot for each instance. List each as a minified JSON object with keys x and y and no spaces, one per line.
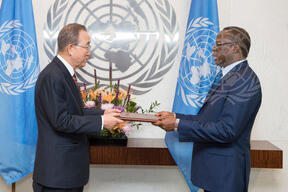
{"x":84,"y":47}
{"x":225,"y":43}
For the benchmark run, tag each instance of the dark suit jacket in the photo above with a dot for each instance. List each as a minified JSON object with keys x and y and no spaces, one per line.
{"x":62,"y":156}
{"x":221,"y":132}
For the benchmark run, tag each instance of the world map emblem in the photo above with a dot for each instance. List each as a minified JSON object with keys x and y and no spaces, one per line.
{"x":138,"y":39}
{"x":198,"y":69}
{"x":18,"y":59}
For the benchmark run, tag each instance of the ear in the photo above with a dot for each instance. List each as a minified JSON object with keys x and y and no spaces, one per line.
{"x":236,"y":49}
{"x":69,"y":49}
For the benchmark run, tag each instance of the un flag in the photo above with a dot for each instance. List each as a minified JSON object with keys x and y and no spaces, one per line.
{"x":19,"y":69}
{"x":196,"y":75}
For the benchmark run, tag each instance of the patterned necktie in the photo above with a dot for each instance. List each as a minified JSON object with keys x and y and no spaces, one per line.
{"x":218,"y":76}
{"x":75,"y":79}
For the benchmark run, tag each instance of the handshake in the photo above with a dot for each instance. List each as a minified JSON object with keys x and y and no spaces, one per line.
{"x":164,"y":119}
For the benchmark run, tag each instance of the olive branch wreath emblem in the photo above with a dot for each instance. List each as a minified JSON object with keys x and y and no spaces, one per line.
{"x":161,"y":65}
{"x":19,"y":87}
{"x":194,"y":100}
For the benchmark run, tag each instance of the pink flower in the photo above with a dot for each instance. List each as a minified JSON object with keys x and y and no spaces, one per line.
{"x":89,"y":104}
{"x":119,"y":108}
{"x":107,"y":106}
{"x":127,"y":128}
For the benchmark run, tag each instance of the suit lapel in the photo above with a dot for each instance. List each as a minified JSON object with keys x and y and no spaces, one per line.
{"x":70,"y":81}
{"x":234,"y":71}
{"x":220,"y":84}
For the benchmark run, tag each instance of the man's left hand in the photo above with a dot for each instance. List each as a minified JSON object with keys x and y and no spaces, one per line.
{"x":109,"y":111}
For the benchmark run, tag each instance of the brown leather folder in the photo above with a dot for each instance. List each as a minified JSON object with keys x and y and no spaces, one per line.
{"x":138,"y":117}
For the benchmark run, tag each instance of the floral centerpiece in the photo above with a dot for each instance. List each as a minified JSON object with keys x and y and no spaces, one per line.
{"x":109,"y":97}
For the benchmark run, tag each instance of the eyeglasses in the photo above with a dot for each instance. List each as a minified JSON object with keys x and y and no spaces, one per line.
{"x":84,"y":47}
{"x":225,"y":43}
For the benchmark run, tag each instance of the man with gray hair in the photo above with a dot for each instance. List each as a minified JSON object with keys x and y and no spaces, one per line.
{"x":62,"y":156}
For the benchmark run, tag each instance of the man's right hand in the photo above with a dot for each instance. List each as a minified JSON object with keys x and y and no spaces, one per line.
{"x":164,"y":114}
{"x":110,"y":120}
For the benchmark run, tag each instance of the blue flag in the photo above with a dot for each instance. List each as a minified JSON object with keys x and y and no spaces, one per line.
{"x":196,"y":75}
{"x":19,"y":69}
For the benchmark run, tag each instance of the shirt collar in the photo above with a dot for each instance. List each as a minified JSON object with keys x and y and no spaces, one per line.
{"x":228,"y":68}
{"x":67,"y":65}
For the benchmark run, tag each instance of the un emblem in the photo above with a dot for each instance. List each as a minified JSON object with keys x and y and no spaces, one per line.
{"x":137,"y":39}
{"x":18,"y":66}
{"x":198,"y":69}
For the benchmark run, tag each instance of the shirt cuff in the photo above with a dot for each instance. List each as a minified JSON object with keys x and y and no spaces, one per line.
{"x":176,"y":124}
{"x":102,"y":124}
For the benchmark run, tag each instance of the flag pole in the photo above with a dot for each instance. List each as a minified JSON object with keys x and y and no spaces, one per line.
{"x":13,"y":187}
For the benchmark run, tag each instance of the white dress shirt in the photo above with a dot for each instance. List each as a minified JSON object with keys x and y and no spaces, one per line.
{"x":228,"y":68}
{"x":67,"y":65}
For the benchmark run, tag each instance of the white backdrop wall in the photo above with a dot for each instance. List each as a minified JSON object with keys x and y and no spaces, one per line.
{"x":267,"y":23}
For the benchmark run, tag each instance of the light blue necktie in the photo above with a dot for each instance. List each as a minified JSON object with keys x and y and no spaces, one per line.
{"x":218,"y":77}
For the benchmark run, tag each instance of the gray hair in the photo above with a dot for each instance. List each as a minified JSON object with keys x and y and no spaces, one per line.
{"x":69,"y":34}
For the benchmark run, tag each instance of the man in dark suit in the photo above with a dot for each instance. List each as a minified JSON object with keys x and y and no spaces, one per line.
{"x":221,"y":130}
{"x":62,"y":156}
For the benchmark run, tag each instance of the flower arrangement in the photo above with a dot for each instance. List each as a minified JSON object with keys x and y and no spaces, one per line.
{"x":112,"y":97}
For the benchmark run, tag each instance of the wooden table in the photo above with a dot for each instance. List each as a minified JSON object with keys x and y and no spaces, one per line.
{"x":154,"y":152}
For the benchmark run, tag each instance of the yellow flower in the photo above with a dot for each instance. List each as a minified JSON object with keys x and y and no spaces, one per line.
{"x":122,"y":95}
{"x":93,"y":94}
{"x":120,"y":125}
{"x":83,"y":94}
{"x":108,"y":97}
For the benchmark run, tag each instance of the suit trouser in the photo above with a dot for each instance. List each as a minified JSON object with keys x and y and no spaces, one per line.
{"x":40,"y":188}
